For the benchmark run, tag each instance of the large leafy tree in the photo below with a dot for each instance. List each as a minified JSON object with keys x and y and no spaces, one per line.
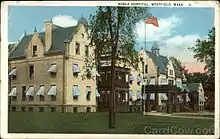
{"x":205,"y":52}
{"x":112,"y":29}
{"x":113,"y":33}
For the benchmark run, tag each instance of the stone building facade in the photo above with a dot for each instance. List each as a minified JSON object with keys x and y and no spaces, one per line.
{"x":52,"y":71}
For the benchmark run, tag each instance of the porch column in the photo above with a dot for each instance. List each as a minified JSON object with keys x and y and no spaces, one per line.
{"x":117,"y":108}
{"x":176,"y":103}
{"x":184,"y":101}
{"x":195,"y":102}
{"x":127,"y":100}
{"x":148,"y":108}
{"x":156,"y":101}
{"x":169,"y":103}
{"x":142,"y":102}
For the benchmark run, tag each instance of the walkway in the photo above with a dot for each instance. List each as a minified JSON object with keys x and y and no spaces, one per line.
{"x":199,"y":115}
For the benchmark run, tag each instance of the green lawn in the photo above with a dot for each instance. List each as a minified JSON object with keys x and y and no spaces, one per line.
{"x":126,"y":123}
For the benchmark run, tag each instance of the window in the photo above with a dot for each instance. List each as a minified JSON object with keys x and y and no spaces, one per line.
{"x":75,"y":109}
{"x":89,"y":74}
{"x":14,"y":98}
{"x":170,"y":82}
{"x":53,"y":74}
{"x":146,"y":69}
{"x":86,"y":50}
{"x":201,"y":102}
{"x":13,"y":109}
{"x":34,"y":50}
{"x":143,"y":67}
{"x":88,"y":96}
{"x":141,"y":59}
{"x":31,"y":72}
{"x":14,"y":77}
{"x":77,"y":48}
{"x":23,"y":90}
{"x":75,"y":97}
{"x":88,"y":109}
{"x":30,"y":109}
{"x":82,"y":35}
{"x":41,"y":98}
{"x":31,"y":98}
{"x":41,"y":109}
{"x":23,"y":109}
{"x":171,"y":72}
{"x":52,"y":109}
{"x":130,"y":81}
{"x":138,"y":83}
{"x":53,"y":98}
{"x":75,"y":70}
{"x":75,"y":74}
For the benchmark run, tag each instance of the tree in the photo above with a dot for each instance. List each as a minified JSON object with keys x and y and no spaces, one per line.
{"x":178,"y":66}
{"x":205,"y":52}
{"x":113,"y":33}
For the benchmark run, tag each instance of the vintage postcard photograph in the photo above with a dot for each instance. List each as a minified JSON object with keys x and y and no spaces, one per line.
{"x":127,"y":69}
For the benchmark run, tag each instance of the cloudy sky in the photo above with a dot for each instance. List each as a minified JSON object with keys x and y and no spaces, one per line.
{"x":179,"y":28}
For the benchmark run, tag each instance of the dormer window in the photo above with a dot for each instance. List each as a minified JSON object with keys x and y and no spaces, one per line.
{"x":142,"y":67}
{"x":141,"y":59}
{"x":34,"y":50}
{"x":171,"y":72}
{"x":146,"y":69}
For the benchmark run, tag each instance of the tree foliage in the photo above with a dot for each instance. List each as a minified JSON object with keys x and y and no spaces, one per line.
{"x":205,"y":52}
{"x":113,"y":29}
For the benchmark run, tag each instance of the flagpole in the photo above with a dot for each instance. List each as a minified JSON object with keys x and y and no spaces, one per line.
{"x":145,"y":38}
{"x":145,"y":48}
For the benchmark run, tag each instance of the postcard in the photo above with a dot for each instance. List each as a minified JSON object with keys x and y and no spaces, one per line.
{"x":110,"y":69}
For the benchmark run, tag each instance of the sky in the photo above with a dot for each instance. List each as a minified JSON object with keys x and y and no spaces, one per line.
{"x":179,"y":28}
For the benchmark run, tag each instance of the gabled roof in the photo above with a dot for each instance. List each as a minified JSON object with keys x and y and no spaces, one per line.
{"x":20,"y":49}
{"x":59,"y":34}
{"x":160,"y":61}
{"x":194,"y":87}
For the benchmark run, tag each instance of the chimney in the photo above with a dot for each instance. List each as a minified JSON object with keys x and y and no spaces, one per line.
{"x":48,"y":25}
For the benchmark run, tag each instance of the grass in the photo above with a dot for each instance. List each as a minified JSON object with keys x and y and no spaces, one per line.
{"x":97,"y":123}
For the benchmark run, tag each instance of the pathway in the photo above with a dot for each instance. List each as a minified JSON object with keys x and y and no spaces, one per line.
{"x":182,"y":115}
